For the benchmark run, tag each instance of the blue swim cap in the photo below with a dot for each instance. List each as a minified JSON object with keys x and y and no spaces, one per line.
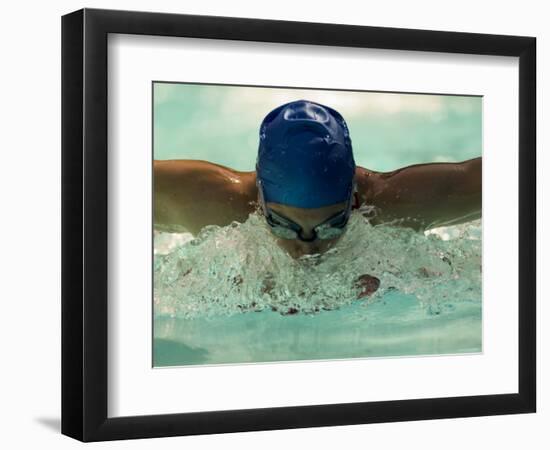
{"x":305,"y":158}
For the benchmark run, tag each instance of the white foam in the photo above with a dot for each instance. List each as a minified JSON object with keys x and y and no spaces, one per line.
{"x":240,"y":267}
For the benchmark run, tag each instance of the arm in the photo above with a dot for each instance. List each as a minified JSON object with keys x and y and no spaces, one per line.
{"x":424,"y":196}
{"x":190,"y":194}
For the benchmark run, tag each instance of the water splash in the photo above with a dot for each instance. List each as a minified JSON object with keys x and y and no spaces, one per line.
{"x":240,"y":268}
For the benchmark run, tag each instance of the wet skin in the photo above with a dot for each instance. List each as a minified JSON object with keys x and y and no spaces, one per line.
{"x":307,"y":218}
{"x":190,"y":194}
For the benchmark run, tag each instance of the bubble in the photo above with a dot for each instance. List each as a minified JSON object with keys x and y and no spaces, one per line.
{"x":240,"y":269}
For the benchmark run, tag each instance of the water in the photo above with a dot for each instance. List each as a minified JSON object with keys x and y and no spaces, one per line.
{"x":232,"y":295}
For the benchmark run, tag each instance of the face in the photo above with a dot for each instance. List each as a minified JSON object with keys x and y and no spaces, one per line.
{"x":307,"y":218}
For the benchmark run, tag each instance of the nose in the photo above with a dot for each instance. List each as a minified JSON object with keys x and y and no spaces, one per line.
{"x":307,"y":235}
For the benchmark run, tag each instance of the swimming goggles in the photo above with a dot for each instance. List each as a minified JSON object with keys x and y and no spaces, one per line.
{"x":285,"y":228}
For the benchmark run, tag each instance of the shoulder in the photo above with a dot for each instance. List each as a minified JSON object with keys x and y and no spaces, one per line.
{"x":369,"y":183}
{"x":186,"y":166}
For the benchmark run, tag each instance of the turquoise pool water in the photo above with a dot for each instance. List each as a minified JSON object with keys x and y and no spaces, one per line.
{"x":396,"y":325}
{"x":224,"y":295}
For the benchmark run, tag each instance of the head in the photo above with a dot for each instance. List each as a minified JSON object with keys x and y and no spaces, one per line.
{"x":305,"y":175}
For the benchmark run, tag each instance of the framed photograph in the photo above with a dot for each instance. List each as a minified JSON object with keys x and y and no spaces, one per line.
{"x":272,"y":224}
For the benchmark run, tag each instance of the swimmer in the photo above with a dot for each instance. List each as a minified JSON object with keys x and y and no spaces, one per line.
{"x":306,"y":184}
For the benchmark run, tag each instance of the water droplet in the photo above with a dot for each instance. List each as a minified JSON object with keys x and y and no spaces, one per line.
{"x":248,"y":252}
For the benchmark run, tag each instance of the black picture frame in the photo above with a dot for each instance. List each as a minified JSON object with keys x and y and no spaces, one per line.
{"x":84,"y":224}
